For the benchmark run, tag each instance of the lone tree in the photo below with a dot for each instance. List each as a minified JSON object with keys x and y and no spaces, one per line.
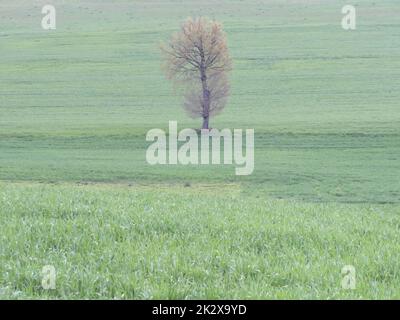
{"x":197,"y":57}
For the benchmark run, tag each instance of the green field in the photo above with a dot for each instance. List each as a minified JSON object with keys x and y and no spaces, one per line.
{"x":118,"y":242}
{"x":76,"y":190}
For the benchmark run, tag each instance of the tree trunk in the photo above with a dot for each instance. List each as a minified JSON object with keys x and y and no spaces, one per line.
{"x":206,"y":98}
{"x":206,"y":92}
{"x":205,"y":123}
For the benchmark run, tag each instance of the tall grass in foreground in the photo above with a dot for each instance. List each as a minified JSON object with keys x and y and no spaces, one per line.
{"x":160,"y":242}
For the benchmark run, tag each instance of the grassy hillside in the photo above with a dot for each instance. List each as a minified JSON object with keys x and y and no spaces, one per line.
{"x":76,"y":191}
{"x":77,"y":102}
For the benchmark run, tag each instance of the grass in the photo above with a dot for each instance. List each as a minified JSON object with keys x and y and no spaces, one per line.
{"x":191,"y":242}
{"x":76,"y":191}
{"x":78,"y":101}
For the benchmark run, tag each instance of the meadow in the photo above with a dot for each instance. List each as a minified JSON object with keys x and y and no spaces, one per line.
{"x":76,"y":190}
{"x":115,"y":242}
